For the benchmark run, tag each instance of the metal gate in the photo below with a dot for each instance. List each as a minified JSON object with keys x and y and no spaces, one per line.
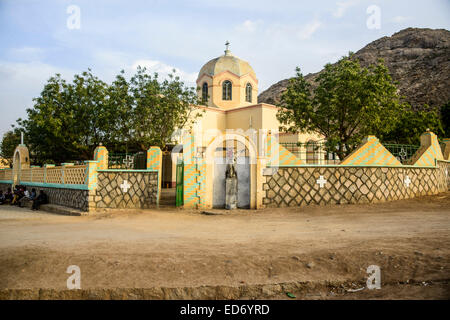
{"x":127,"y":161}
{"x":179,"y":184}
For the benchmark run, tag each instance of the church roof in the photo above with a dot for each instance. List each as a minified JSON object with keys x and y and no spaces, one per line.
{"x":227,"y":62}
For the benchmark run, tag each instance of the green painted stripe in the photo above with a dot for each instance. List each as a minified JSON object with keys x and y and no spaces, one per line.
{"x":365,"y":149}
{"x":350,"y":166}
{"x":120,"y":170}
{"x":56,"y":185}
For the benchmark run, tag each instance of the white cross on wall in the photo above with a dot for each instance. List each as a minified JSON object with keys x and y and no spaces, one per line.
{"x":125,"y":186}
{"x":321,"y":181}
{"x":407,"y":181}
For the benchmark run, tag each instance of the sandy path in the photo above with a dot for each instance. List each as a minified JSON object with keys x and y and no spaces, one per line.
{"x":409,"y":240}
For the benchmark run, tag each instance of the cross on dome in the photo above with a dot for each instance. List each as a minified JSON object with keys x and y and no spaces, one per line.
{"x":227,"y":48}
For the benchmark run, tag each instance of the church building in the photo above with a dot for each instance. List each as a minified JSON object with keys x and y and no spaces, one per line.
{"x":228,"y":88}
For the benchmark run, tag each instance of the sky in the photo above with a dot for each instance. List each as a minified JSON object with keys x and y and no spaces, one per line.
{"x":41,"y":38}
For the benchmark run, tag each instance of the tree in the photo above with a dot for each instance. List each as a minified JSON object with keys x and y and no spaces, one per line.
{"x":160,"y":108}
{"x":69,"y":119}
{"x":412,"y":124}
{"x":349,"y":103}
{"x":9,"y":143}
{"x":120,"y":108}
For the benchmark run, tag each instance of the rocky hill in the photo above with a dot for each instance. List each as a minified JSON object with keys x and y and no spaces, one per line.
{"x":419,"y":59}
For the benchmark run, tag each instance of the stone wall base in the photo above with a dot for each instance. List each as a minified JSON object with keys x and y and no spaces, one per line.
{"x":299,"y":186}
{"x":72,"y":198}
{"x":141,"y":190}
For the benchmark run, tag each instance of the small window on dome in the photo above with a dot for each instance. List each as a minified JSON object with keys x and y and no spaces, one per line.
{"x":205,"y":93}
{"x":227,"y":90}
{"x":248,"y":92}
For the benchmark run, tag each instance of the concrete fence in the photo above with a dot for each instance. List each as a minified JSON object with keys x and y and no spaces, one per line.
{"x":89,"y":186}
{"x":371,"y":173}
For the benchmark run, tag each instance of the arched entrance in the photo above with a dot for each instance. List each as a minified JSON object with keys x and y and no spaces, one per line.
{"x":223,"y":150}
{"x":21,"y":161}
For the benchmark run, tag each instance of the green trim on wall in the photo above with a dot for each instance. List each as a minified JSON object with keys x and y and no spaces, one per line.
{"x":122,"y":170}
{"x":56,"y":185}
{"x":350,"y":166}
{"x":6,"y":181}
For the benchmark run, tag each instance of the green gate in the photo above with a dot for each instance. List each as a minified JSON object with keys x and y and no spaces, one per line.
{"x":180,"y":182}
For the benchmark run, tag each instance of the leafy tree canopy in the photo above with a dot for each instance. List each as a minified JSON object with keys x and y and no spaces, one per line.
{"x":9,"y":143}
{"x":69,"y":119}
{"x":349,"y":102}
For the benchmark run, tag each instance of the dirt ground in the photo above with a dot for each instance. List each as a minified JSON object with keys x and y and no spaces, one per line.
{"x":313,"y":252}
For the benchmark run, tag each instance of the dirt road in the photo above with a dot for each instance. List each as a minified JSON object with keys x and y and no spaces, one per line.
{"x":314,"y":252}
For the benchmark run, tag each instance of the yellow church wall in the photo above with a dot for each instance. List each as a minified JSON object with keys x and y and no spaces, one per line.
{"x":261,"y":116}
{"x":242,"y":118}
{"x":211,"y":119}
{"x":270,"y":120}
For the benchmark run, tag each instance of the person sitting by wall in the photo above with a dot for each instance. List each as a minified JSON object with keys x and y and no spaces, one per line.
{"x":8,"y":196}
{"x":18,"y":194}
{"x":26,"y":193}
{"x":39,"y":200}
{"x":28,"y":196}
{"x":2,"y":197}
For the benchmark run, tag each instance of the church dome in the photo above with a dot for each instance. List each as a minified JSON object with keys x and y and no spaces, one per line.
{"x":226,"y":62}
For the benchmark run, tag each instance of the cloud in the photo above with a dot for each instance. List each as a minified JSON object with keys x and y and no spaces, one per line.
{"x":249,"y":26}
{"x":164,"y":70}
{"x":342,"y":7}
{"x":20,"y":82}
{"x":308,"y":30}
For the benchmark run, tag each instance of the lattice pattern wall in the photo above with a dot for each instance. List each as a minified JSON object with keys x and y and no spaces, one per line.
{"x":38,"y":175}
{"x":300,"y":186}
{"x":25,"y":175}
{"x":54,"y":175}
{"x":75,"y":174}
{"x":5,"y":174}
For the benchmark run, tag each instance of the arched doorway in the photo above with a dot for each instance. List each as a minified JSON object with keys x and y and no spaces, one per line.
{"x":21,"y":161}
{"x":232,"y":151}
{"x":223,"y":150}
